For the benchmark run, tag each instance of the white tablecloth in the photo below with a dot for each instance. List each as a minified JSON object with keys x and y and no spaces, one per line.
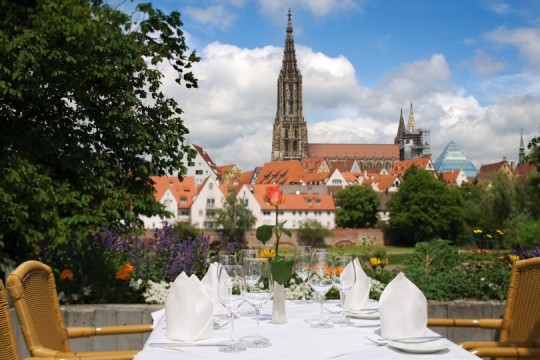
{"x":294,"y":340}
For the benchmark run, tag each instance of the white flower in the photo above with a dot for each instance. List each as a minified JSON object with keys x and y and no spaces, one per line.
{"x":156,"y":292}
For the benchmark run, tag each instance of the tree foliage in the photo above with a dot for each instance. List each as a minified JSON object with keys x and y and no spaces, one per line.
{"x":82,"y":115}
{"x":424,"y":208}
{"x":312,"y":233}
{"x":357,"y":207}
{"x":234,"y":219}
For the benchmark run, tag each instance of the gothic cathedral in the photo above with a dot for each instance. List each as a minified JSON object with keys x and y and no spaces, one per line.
{"x":289,"y":141}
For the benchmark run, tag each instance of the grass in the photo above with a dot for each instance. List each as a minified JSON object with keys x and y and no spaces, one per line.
{"x":395,"y":254}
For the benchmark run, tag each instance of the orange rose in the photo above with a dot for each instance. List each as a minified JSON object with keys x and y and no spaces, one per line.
{"x":125,"y":272}
{"x":274,"y":195}
{"x":66,"y":275}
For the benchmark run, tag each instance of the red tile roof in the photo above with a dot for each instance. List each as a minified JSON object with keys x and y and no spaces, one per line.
{"x":401,"y":167}
{"x":354,"y":151}
{"x":281,"y":173}
{"x":304,"y":202}
{"x":184,"y":190}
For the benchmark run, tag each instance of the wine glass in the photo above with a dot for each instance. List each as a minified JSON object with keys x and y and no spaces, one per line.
{"x":244,"y":254}
{"x":321,"y":279}
{"x":344,"y":279}
{"x":227,"y":259}
{"x":301,"y":265}
{"x":258,"y":289}
{"x":230,"y":285}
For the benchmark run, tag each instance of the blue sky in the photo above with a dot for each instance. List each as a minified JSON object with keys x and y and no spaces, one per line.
{"x":471,"y":68}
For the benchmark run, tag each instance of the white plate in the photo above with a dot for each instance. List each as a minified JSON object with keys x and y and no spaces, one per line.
{"x":366,"y":314}
{"x":419,"y":346}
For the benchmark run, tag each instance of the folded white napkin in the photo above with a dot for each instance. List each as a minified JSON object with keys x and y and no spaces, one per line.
{"x":356,"y":297}
{"x":402,"y":309}
{"x":210,"y":282}
{"x":188,"y":310}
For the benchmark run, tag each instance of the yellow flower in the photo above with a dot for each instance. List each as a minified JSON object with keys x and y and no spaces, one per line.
{"x":489,"y":236}
{"x":477,"y":231}
{"x":66,"y":275}
{"x":125,"y":272}
{"x":374,"y":262}
{"x":384,"y":262}
{"x":513,"y":258}
{"x":267,"y":253}
{"x":500,"y":232}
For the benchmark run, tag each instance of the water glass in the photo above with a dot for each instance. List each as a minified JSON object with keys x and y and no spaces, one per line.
{"x":344,"y":279}
{"x":302,"y":260}
{"x":258,"y":289}
{"x":321,"y":280}
{"x":230,"y":285}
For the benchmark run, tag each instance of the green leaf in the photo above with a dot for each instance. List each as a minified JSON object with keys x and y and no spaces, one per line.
{"x":281,"y":269}
{"x":287,"y":231}
{"x":264,"y":233}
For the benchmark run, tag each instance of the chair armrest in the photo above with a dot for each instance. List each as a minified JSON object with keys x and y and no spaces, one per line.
{"x":471,"y":345}
{"x":514,"y":352}
{"x":84,"y":331}
{"x":482,"y":323}
{"x":50,"y":354}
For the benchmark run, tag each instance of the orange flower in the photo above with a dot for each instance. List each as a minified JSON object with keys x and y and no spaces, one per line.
{"x":338,"y":270}
{"x":274,"y":195}
{"x":66,"y":275}
{"x":125,"y":272}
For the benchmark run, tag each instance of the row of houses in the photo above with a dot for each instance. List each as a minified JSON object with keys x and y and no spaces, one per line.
{"x":308,"y":185}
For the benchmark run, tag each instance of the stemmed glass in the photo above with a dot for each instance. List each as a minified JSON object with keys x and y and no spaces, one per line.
{"x":258,"y":289}
{"x":301,"y":265}
{"x":227,"y":259}
{"x":244,"y":254}
{"x":230,"y":285}
{"x":321,"y":279}
{"x":344,"y":279}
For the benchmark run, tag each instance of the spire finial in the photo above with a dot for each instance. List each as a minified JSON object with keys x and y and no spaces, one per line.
{"x":411,"y":124}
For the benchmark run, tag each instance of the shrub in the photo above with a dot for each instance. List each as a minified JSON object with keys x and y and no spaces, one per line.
{"x":312,"y":233}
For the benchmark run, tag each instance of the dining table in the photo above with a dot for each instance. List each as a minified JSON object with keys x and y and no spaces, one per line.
{"x":297,"y":339}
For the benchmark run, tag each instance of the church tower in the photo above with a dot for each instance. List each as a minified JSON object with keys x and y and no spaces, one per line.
{"x":521,"y":150}
{"x":289,"y":140}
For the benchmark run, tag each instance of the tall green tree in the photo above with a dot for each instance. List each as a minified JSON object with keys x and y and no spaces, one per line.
{"x":424,"y":208}
{"x":357,"y":206}
{"x":82,"y":116}
{"x":234,"y":218}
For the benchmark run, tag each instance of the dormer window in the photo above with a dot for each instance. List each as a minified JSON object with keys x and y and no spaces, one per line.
{"x":318,"y":201}
{"x":308,"y":202}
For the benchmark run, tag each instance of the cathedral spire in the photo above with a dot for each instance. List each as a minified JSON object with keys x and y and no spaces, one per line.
{"x":411,"y":126}
{"x":289,"y":141}
{"x":521,"y":149}
{"x":401,"y":129}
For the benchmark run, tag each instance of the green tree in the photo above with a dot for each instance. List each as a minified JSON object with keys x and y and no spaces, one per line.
{"x":424,"y":208}
{"x":312,"y":233}
{"x":357,"y":206}
{"x":82,"y":117}
{"x":234,"y":218}
{"x":534,"y":156}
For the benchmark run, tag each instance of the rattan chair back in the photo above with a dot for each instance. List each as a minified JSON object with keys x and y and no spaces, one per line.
{"x":521,"y":320}
{"x":8,"y":344}
{"x":33,"y":292}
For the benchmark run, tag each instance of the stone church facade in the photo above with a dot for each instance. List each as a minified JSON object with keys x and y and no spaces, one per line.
{"x":290,"y":136}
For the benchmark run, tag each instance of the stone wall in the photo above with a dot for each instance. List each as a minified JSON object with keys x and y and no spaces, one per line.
{"x":91,"y":315}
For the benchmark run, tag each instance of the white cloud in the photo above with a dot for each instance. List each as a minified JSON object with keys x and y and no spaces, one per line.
{"x":527,"y":40}
{"x":215,"y":16}
{"x":484,"y":65}
{"x":319,"y":8}
{"x":232,"y":112}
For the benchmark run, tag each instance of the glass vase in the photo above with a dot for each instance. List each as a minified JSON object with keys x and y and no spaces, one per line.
{"x":279,"y":315}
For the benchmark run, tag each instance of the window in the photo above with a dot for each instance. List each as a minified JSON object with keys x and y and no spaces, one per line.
{"x":191,"y":163}
{"x":308,"y":202}
{"x":210,"y":203}
{"x":336,"y":181}
{"x":210,"y":186}
{"x":266,"y":212}
{"x":183,"y":200}
{"x":198,"y":172}
{"x":318,"y":201}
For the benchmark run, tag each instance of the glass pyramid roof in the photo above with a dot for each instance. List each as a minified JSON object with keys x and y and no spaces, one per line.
{"x":452,"y":158}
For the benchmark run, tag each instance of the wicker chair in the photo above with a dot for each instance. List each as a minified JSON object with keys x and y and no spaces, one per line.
{"x":33,"y":291}
{"x":520,"y":326}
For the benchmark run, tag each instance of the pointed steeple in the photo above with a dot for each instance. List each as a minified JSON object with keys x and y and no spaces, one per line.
{"x":289,"y":140}
{"x":521,"y":149}
{"x":401,"y":129}
{"x":411,"y":126}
